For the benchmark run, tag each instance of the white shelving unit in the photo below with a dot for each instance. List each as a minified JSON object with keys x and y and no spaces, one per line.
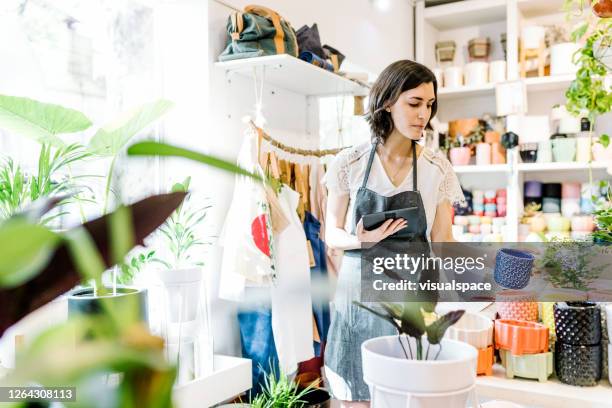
{"x":462,"y":21}
{"x":232,"y":376}
{"x":549,"y":394}
{"x":293,"y":74}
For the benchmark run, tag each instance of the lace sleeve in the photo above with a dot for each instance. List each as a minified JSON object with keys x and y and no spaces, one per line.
{"x":337,"y":177}
{"x":450,"y":188}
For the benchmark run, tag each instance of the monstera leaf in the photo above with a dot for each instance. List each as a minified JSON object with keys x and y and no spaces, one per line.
{"x":112,"y":138}
{"x":39,"y":121}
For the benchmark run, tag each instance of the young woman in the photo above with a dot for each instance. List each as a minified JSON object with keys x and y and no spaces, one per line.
{"x":390,"y":172}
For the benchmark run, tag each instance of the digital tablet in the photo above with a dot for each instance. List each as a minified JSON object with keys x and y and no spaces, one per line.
{"x":375,"y":220}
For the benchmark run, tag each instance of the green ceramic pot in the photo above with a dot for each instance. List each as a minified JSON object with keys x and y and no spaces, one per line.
{"x":564,"y":150}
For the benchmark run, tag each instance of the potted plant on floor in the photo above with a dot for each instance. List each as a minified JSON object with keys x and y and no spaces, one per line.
{"x":411,"y":367}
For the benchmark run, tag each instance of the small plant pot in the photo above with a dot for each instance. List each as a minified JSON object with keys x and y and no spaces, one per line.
{"x":535,"y":366}
{"x":513,"y":268}
{"x":527,"y":311}
{"x":582,"y":223}
{"x":544,"y":152}
{"x":561,"y":58}
{"x":564,"y":150}
{"x":521,"y":337}
{"x":129,"y":302}
{"x":486,"y":359}
{"x":460,"y":156}
{"x":578,"y":323}
{"x":483,"y":154}
{"x":578,"y":365}
{"x":602,"y":8}
{"x":479,"y":48}
{"x":498,"y":154}
{"x":316,"y":398}
{"x":445,"y":51}
{"x":559,"y":224}
{"x":583,"y":149}
{"x":453,"y":77}
{"x":476,"y":73}
{"x":474,"y":329}
{"x":529,"y":152}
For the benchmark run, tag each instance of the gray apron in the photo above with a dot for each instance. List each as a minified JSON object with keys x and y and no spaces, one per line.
{"x":350,"y":324}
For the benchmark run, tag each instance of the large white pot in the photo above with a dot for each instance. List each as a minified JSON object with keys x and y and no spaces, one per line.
{"x":561,"y":58}
{"x":395,"y":381}
{"x":182,"y":288}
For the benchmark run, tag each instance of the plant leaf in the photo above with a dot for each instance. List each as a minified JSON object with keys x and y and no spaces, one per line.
{"x":39,"y":121}
{"x":436,"y":330}
{"x":25,"y":249}
{"x":604,"y":140}
{"x":110,"y":139}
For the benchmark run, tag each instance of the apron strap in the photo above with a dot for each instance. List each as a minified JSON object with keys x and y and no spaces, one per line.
{"x":414,"y":167}
{"x":369,"y":167}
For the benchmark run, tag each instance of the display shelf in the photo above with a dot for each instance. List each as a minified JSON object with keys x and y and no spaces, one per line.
{"x":549,"y":83}
{"x":465,"y":13}
{"x":466,"y":91}
{"x":562,"y":166}
{"x":549,"y":394}
{"x":537,"y":8}
{"x":491,"y":168}
{"x":293,"y":74}
{"x":231,"y":376}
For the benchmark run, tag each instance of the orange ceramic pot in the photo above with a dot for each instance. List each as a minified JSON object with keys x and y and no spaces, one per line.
{"x":498,"y":153}
{"x":518,"y":310}
{"x":485,"y":361}
{"x":521,"y":337}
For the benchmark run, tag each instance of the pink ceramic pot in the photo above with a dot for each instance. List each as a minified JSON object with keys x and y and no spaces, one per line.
{"x":582,"y":223}
{"x":460,"y":156}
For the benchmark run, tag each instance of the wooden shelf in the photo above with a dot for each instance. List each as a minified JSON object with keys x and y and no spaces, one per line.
{"x":232,"y":376}
{"x":465,"y":13}
{"x":295,"y":75}
{"x":549,"y":394}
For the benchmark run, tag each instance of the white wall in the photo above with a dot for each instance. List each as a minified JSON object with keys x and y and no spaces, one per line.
{"x":368,"y":37}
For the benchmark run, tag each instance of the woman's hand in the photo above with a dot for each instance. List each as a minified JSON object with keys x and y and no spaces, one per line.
{"x":388,"y":228}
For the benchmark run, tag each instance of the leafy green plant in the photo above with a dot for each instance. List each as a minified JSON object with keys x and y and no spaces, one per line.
{"x":603,"y":216}
{"x":408,"y":318}
{"x":134,"y":265}
{"x":180,"y":232}
{"x":587,"y":92}
{"x":279,"y":391}
{"x":567,"y":264}
{"x":475,"y":136}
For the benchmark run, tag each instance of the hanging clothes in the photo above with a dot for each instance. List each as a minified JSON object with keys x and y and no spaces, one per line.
{"x":291,"y":293}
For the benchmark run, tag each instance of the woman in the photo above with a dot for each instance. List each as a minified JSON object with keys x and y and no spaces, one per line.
{"x":389,"y":173}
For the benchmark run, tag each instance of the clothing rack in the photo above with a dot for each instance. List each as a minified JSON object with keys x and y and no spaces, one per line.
{"x":293,"y":150}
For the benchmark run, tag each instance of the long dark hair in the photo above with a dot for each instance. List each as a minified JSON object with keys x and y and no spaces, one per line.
{"x":396,"y":78}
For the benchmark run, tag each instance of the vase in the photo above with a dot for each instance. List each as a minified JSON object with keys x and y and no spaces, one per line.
{"x":460,"y":156}
{"x":564,"y":149}
{"x":578,"y":365}
{"x":578,"y":323}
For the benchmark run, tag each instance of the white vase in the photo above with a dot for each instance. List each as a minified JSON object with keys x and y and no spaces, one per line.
{"x":476,"y":73}
{"x":395,"y":381}
{"x":439,"y":74}
{"x":183,"y":287}
{"x":561,"y":58}
{"x":453,"y":77}
{"x":497,"y":71}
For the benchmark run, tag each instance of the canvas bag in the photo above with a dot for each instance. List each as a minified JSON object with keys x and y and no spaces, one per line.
{"x":258,"y":31}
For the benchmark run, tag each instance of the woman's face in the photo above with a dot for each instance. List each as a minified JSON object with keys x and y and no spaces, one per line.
{"x":412,"y":110}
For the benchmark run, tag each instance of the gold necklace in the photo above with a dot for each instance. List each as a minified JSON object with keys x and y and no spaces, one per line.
{"x":392,"y":178}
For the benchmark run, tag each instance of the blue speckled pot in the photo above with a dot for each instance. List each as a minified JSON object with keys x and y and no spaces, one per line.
{"x":513,"y":268}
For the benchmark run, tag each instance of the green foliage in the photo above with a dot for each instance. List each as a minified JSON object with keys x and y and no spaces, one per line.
{"x":133,"y":266}
{"x":567,"y":264}
{"x":280,"y":392}
{"x":180,"y":231}
{"x":603,"y":217}
{"x":39,"y":121}
{"x":408,"y":318}
{"x":24,"y":249}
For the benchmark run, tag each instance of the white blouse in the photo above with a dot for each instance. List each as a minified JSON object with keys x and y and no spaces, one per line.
{"x":436,"y":179}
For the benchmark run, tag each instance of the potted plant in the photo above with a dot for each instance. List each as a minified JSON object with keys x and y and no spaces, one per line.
{"x":561,"y":50}
{"x":412,"y":367}
{"x":280,"y":391}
